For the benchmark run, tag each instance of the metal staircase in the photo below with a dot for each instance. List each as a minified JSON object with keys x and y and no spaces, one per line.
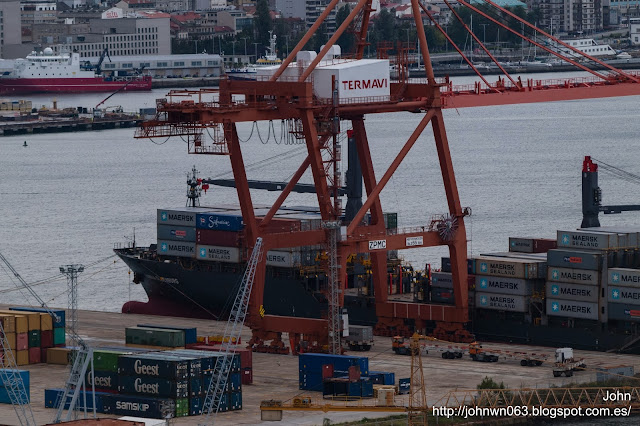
{"x":232,"y":331}
{"x":75,"y":384}
{"x":12,"y":381}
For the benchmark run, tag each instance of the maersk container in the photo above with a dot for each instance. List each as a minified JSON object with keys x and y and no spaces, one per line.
{"x":154,"y":337}
{"x":502,"y":302}
{"x":442,"y":279}
{"x":139,"y":406}
{"x":101,"y":379}
{"x":153,"y":386}
{"x":219,"y":222}
{"x":190,"y":333}
{"x":587,"y":240}
{"x":632,"y":234}
{"x":626,"y":295}
{"x":283,"y":258}
{"x":531,"y":245}
{"x":154,"y":365}
{"x":624,"y":312}
{"x":574,"y":276}
{"x":624,"y":277}
{"x":177,"y":217}
{"x":579,"y":292}
{"x":366,"y":78}
{"x":219,"y":254}
{"x":211,"y":237}
{"x":508,"y":286}
{"x":572,"y":309}
{"x":510,"y":268}
{"x":57,"y":323}
{"x":176,"y":233}
{"x":442,"y":295}
{"x":565,"y":258}
{"x":176,"y":248}
{"x":534,"y":257}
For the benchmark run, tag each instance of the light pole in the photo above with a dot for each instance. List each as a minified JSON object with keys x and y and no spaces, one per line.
{"x":256,"y":46}
{"x":233,"y":51}
{"x":245,"y":46}
{"x":286,"y":38}
{"x":484,"y":33}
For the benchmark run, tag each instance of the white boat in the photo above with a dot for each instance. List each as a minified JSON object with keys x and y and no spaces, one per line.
{"x":250,"y":71}
{"x":588,"y":46}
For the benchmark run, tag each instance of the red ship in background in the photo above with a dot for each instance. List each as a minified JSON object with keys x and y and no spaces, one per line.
{"x":46,"y":72}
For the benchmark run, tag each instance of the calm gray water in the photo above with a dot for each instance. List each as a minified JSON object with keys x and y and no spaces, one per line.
{"x":67,"y":198}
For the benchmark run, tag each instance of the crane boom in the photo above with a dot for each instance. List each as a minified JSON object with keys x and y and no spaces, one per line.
{"x":28,"y":287}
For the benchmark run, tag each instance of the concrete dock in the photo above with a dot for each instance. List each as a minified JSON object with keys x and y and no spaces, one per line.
{"x":276,"y":376}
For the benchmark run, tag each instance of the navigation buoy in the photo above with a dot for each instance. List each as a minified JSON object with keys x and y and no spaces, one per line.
{"x":25,"y":143}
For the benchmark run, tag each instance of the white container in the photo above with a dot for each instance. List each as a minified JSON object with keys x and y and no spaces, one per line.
{"x":217,"y":253}
{"x":567,"y":291}
{"x":283,"y":259}
{"x":502,"y":302}
{"x":356,"y":79}
{"x":572,"y":309}
{"x":624,"y":277}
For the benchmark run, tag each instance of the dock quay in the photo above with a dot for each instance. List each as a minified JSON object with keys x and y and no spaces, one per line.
{"x":68,"y":124}
{"x":277,"y":376}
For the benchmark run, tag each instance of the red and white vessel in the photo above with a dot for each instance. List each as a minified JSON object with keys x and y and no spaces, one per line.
{"x":46,"y":72}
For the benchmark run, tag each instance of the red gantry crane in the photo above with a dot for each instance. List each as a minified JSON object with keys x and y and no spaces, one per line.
{"x":314,"y":104}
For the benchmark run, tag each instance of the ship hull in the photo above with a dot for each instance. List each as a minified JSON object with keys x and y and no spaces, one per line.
{"x":20,"y":86}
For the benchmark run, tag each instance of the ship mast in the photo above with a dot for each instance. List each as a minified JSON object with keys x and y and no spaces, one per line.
{"x":194,"y":190}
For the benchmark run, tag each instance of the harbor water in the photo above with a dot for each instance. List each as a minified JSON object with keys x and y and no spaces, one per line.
{"x":69,"y":197}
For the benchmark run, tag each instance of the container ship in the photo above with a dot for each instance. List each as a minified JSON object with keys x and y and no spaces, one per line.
{"x":580,"y":289}
{"x":46,"y":72}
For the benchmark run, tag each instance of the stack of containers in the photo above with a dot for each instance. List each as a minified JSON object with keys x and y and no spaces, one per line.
{"x":4,"y":392}
{"x":442,"y":288}
{"x":190,"y":333}
{"x":246,"y":360}
{"x":624,"y":294}
{"x":313,"y":368}
{"x":506,"y":283}
{"x":531,"y":245}
{"x":219,"y":237}
{"x":32,"y":333}
{"x":58,"y":332}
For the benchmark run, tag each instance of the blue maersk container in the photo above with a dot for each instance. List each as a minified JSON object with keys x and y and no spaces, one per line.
{"x":190,"y":333}
{"x":218,"y":222}
{"x":59,"y":323}
{"x":341,"y":363}
{"x":138,"y":406}
{"x":4,"y":392}
{"x":153,"y":386}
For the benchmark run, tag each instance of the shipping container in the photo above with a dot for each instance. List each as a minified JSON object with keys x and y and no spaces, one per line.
{"x":314,"y":362}
{"x":626,"y":295}
{"x":138,"y":406}
{"x":152,"y":364}
{"x":22,"y":342}
{"x":446,"y":265}
{"x":107,"y":360}
{"x":442,"y":295}
{"x":195,"y":406}
{"x":624,"y":276}
{"x":52,"y":398}
{"x":247,"y":376}
{"x":574,"y":276}
{"x":154,"y":337}
{"x":182,"y":407}
{"x":24,"y":375}
{"x":279,"y":225}
{"x":511,"y":268}
{"x":195,"y":387}
{"x":153,"y":386}
{"x":46,"y":322}
{"x":59,"y":356}
{"x":632,"y":234}
{"x":176,"y":233}
{"x":283,"y":258}
{"x":574,"y":259}
{"x":59,"y":336}
{"x":235,"y":401}
{"x":587,"y":240}
{"x":219,"y":222}
{"x":624,"y":312}
{"x":365,"y":78}
{"x":101,"y":380}
{"x":387,"y":378}
{"x":176,"y":248}
{"x":22,"y":357}
{"x":360,"y":333}
{"x":185,"y":217}
{"x":35,"y":355}
{"x":502,"y":285}
{"x":534,"y":257}
{"x":219,"y":254}
{"x":311,"y":381}
{"x":572,"y":309}
{"x":246,"y":355}
{"x":211,"y":237}
{"x":34,"y":338}
{"x":531,"y":245}
{"x":25,"y":321}
{"x":502,"y":302}
{"x":8,"y":323}
{"x":190,"y":333}
{"x":579,"y":292}
{"x":442,"y":279}
{"x":10,"y":339}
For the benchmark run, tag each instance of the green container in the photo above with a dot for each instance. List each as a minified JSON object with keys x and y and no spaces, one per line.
{"x":154,"y":337}
{"x":34,"y":338}
{"x":59,"y":336}
{"x":182,"y":407}
{"x":106,"y":360}
{"x":391,"y":220}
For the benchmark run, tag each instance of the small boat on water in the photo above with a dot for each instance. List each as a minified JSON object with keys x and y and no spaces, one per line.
{"x":250,"y":72}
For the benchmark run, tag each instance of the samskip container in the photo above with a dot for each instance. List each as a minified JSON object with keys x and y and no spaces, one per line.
{"x":139,"y":406}
{"x":54,"y":396}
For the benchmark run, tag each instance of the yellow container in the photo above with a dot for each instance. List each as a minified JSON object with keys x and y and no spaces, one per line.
{"x":46,"y":322}
{"x":22,"y":357}
{"x":8,"y":323}
{"x":22,"y":321}
{"x":10,"y":338}
{"x":59,"y":356}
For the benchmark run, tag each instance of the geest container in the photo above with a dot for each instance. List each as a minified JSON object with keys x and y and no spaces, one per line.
{"x":442,"y":279}
{"x":502,"y":302}
{"x":623,"y":312}
{"x":153,"y":386}
{"x":509,"y":286}
{"x":531,"y":245}
{"x":574,"y":276}
{"x":218,"y":238}
{"x":177,"y":217}
{"x":512,"y":268}
{"x":138,"y":406}
{"x":154,"y":337}
{"x":624,"y":277}
{"x":579,"y":292}
{"x":626,"y":295}
{"x":153,"y":365}
{"x":572,"y":309}
{"x":190,"y":333}
{"x":176,"y":248}
{"x":587,"y":240}
{"x":176,"y":233}
{"x":219,"y":254}
{"x":574,"y":259}
{"x":365,"y":78}
{"x":102,"y":380}
{"x":219,"y":222}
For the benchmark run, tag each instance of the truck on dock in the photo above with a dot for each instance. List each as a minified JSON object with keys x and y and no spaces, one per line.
{"x":360,"y":337}
{"x":566,"y":363}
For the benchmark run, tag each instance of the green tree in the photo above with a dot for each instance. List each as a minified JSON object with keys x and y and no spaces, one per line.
{"x":489,"y":383}
{"x":263,"y":23}
{"x":347,"y":40}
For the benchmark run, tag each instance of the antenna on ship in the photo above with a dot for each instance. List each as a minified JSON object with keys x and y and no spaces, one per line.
{"x":194,"y":191}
